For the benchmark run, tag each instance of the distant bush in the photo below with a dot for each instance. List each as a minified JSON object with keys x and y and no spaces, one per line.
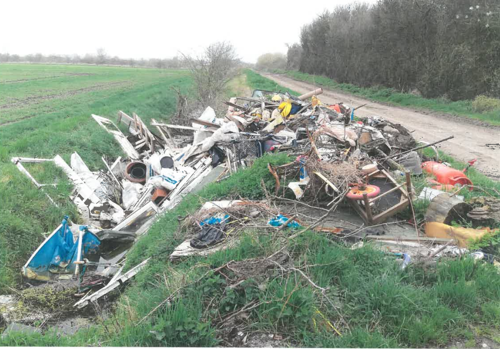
{"x":483,"y":104}
{"x":270,"y":61}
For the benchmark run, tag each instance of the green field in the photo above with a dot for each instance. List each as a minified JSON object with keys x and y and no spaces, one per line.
{"x":44,"y":111}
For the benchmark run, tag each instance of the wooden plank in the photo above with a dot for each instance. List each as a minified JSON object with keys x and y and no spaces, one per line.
{"x":320,"y":175}
{"x":238,"y":124}
{"x":168,"y":141}
{"x":204,"y":123}
{"x":390,"y":212}
{"x":111,"y":172}
{"x":110,"y":286}
{"x":117,"y":161}
{"x":25,"y":171}
{"x":410,"y":239}
{"x":359,"y":210}
{"x":237,"y":106}
{"x":127,"y":147}
{"x":83,"y":189}
{"x":122,"y":115}
{"x":180,"y":127}
{"x":32,"y":160}
{"x":387,"y":192}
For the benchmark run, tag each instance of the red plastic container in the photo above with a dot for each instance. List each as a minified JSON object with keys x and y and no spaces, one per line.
{"x":445,"y":174}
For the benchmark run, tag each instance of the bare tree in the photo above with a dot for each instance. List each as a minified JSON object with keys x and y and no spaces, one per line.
{"x":102,"y":56}
{"x":212,"y":71}
{"x":293,"y":56}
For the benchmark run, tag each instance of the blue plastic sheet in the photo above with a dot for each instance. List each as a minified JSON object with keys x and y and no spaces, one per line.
{"x":280,"y":220}
{"x":58,"y":253}
{"x":214,"y":220}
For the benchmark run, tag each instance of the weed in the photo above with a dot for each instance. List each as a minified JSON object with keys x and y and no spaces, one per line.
{"x":180,"y":325}
{"x":483,"y":104}
{"x":357,"y":338}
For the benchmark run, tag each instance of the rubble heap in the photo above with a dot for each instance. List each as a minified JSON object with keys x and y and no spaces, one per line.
{"x":335,"y":158}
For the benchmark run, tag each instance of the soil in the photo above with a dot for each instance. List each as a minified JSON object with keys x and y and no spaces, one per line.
{"x":39,"y":99}
{"x":46,"y":77}
{"x":471,"y":136}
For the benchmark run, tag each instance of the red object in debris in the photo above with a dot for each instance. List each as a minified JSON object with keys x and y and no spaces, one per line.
{"x":469,"y":164}
{"x":136,"y":172}
{"x":159,"y":194}
{"x":356,"y":192}
{"x":445,"y":174}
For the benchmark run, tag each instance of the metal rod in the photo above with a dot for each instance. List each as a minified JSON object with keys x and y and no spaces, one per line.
{"x":418,"y":148}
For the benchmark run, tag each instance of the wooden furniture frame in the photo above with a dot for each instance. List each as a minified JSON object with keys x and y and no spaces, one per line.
{"x":364,"y":207}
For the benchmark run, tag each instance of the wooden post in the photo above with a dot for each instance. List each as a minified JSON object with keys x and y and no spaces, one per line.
{"x":167,"y":140}
{"x":409,"y":197}
{"x":368,"y":209}
{"x":408,"y":185}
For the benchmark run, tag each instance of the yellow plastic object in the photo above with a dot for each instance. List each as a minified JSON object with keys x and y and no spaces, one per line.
{"x":285,"y":108}
{"x":462,"y":235}
{"x":276,"y":98}
{"x":315,"y":101}
{"x":30,"y":274}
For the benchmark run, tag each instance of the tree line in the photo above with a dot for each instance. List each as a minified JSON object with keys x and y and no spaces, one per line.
{"x":99,"y":58}
{"x":441,"y":48}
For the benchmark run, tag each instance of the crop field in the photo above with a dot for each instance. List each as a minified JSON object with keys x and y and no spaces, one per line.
{"x":44,"y":111}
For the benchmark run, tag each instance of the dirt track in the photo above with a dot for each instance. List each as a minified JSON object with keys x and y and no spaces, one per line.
{"x":470,"y":139}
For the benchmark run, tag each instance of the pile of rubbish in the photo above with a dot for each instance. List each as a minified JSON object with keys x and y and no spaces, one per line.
{"x":364,"y":164}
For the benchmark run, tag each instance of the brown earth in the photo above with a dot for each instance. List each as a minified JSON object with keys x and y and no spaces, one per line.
{"x":471,"y":136}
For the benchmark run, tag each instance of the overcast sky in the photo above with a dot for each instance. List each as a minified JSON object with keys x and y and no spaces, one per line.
{"x":154,"y":29}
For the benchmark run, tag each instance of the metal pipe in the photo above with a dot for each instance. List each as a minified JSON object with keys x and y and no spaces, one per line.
{"x":79,"y":257}
{"x":418,"y":148}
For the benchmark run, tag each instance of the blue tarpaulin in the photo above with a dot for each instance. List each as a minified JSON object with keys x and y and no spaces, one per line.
{"x":280,"y":220}
{"x":58,"y":253}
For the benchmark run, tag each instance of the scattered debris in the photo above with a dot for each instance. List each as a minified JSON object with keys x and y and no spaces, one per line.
{"x":338,"y":161}
{"x":445,"y":208}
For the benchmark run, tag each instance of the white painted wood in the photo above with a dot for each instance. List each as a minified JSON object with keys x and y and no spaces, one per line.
{"x":110,"y":286}
{"x":82,"y":188}
{"x":127,"y":147}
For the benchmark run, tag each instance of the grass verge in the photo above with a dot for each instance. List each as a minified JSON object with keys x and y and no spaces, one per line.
{"x":374,"y":302}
